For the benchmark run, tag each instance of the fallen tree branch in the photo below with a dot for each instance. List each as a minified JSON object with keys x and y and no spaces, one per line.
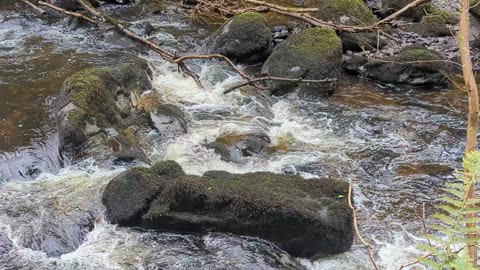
{"x":36,"y":8}
{"x":269,"y":78}
{"x":68,"y":13}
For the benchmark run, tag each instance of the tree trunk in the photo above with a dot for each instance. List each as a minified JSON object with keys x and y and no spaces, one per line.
{"x":473,"y":109}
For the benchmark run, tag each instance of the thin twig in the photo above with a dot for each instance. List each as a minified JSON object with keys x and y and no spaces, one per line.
{"x":36,"y":8}
{"x":269,"y":78}
{"x":357,"y":231}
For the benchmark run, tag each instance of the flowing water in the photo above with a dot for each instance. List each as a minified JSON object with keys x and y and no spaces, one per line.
{"x":400,"y":145}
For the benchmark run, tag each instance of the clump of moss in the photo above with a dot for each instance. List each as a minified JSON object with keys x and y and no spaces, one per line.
{"x":89,"y":90}
{"x":417,"y":54}
{"x":167,"y":168}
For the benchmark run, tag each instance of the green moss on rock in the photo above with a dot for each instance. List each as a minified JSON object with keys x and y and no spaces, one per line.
{"x":431,"y":26}
{"x":301,"y":216}
{"x":356,"y":10}
{"x":167,"y":168}
{"x":315,"y":53}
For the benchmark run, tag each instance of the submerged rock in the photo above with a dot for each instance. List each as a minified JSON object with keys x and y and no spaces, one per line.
{"x":303,"y":217}
{"x":94,"y":108}
{"x":313,"y":54}
{"x":415,"y":66}
{"x":245,"y":38}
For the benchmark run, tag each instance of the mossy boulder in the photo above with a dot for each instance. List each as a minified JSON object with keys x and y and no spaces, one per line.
{"x":304,"y":217}
{"x":98,"y":101}
{"x":349,"y":12}
{"x":431,"y":26}
{"x":245,"y":38}
{"x":414,"y":65}
{"x":313,"y":54}
{"x":127,"y":196}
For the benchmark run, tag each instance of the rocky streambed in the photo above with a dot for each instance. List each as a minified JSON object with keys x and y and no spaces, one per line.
{"x":133,"y":166}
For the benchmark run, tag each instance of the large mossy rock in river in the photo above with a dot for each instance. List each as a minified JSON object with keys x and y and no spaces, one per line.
{"x":415,"y":66}
{"x":245,"y":38}
{"x":95,"y":107}
{"x":127,"y":196}
{"x":312,"y":54}
{"x":349,"y":12}
{"x":304,"y":217}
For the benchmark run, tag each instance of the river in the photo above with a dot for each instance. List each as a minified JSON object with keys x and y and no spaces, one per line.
{"x":400,"y":145}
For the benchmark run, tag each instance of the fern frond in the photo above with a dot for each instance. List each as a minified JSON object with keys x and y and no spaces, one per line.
{"x":451,"y":210}
{"x":453,"y":202}
{"x":430,"y":249}
{"x":430,"y":263}
{"x":445,"y":219}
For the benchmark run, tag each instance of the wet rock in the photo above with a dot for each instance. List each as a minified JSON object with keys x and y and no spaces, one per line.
{"x":94,"y":108}
{"x":353,"y":63}
{"x":314,"y":54}
{"x":415,"y":66}
{"x":127,"y":196}
{"x":168,"y":120}
{"x":304,"y":217}
{"x":233,"y":147}
{"x":290,"y":169}
{"x":437,"y":24}
{"x":245,"y":38}
{"x":414,"y":14}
